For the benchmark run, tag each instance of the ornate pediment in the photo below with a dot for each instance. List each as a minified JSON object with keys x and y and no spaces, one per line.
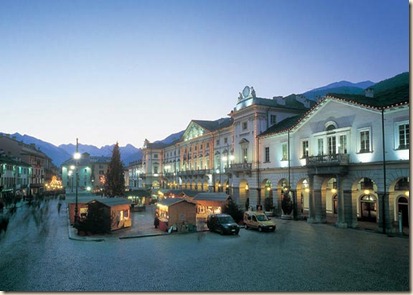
{"x":193,"y":131}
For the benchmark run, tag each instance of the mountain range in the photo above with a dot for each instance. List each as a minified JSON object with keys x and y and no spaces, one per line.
{"x":129,"y":153}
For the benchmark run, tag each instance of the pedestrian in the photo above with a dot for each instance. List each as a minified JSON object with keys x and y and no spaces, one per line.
{"x":201,"y":230}
{"x":59,"y":205}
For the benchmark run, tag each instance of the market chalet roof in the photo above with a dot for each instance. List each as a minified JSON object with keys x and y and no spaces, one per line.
{"x":222,"y":197}
{"x":109,"y":202}
{"x":172,"y":201}
{"x":386,"y":99}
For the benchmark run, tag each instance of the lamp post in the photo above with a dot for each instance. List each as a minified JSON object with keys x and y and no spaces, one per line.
{"x":76,"y":157}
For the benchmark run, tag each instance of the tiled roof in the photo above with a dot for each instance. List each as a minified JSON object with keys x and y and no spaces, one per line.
{"x":290,"y":103}
{"x":214,"y":125}
{"x":282,"y":126}
{"x":189,"y":193}
{"x":211,"y":197}
{"x":385,"y":99}
{"x":173,"y":201}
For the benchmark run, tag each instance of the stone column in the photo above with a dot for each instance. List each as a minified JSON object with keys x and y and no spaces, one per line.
{"x":384,"y":212}
{"x":341,"y":206}
{"x":350,"y":208}
{"x":317,"y":203}
{"x":235,"y":196}
{"x":311,"y":200}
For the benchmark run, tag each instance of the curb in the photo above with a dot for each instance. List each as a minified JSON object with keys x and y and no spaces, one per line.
{"x":143,"y":236}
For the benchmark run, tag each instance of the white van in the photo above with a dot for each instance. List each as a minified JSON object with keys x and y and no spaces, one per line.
{"x":258,"y":220}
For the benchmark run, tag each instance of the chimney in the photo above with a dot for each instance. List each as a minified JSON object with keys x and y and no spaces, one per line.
{"x":369,"y":92}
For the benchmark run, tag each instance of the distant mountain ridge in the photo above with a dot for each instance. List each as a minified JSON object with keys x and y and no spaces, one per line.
{"x":342,"y":87}
{"x":129,"y":153}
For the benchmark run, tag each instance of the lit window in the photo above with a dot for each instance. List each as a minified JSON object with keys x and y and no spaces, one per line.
{"x":320,"y":146}
{"x":364,"y":141}
{"x":342,"y":148}
{"x":284,"y":152}
{"x":404,"y":134}
{"x":267,"y":154}
{"x":305,"y":148}
{"x":331,"y":141}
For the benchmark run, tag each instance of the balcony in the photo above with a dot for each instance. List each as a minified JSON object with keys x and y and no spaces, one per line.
{"x":328,"y":164}
{"x":194,"y":173}
{"x":244,"y":168}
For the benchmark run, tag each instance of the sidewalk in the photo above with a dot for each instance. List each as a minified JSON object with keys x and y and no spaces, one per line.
{"x":372,"y":226}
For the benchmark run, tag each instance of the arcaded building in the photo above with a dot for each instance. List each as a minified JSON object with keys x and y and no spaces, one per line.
{"x":344,"y":157}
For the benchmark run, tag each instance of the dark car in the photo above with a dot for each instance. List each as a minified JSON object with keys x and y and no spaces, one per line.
{"x":222,"y":223}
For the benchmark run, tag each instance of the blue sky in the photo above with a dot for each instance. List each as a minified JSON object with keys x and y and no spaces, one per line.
{"x":125,"y":70}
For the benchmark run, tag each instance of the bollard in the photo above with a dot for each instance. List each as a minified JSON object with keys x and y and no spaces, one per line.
{"x":400,"y":222}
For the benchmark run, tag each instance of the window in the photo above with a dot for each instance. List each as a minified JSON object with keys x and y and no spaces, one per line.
{"x":225,"y":140}
{"x":320,"y":147}
{"x":284,"y":152}
{"x":404,"y":134}
{"x":342,"y":146}
{"x":273,"y":119}
{"x":155,"y":156}
{"x":217,"y":141}
{"x":244,"y":126}
{"x":245,"y":154}
{"x":331,"y":141}
{"x":267,"y":154}
{"x":305,"y":148}
{"x":364,"y":141}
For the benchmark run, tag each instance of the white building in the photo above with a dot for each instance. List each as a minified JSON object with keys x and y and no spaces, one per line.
{"x":345,"y":157}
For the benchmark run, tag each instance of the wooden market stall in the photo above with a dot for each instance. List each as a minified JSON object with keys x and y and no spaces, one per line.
{"x":139,"y":199}
{"x":178,"y":213}
{"x":81,"y":211}
{"x":111,"y":213}
{"x":209,"y":203}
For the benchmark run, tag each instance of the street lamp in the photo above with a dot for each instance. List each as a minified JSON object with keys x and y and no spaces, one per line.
{"x":76,"y":157}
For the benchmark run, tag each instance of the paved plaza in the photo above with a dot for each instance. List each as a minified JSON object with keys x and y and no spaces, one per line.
{"x":37,"y":255}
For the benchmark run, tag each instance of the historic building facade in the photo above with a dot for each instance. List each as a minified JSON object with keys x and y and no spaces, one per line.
{"x":91,"y":172}
{"x":34,"y":165}
{"x":345,"y":157}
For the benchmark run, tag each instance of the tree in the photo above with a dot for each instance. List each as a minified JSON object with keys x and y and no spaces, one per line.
{"x":231,"y":208}
{"x":115,"y":181}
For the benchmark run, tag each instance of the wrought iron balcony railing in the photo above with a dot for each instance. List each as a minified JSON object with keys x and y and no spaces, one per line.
{"x":328,"y":160}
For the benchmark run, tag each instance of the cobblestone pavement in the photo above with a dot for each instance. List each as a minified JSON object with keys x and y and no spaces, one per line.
{"x":37,"y":256}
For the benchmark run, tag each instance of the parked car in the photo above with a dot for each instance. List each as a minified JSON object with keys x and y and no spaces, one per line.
{"x":258,"y":220}
{"x":222,"y":223}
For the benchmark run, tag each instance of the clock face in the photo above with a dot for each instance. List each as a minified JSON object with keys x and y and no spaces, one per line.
{"x":246,"y":91}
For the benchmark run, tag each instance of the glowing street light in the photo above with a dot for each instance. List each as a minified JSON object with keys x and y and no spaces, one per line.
{"x":76,"y":157}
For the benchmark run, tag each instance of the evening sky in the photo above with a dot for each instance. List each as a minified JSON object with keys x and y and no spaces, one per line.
{"x":125,"y":70}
